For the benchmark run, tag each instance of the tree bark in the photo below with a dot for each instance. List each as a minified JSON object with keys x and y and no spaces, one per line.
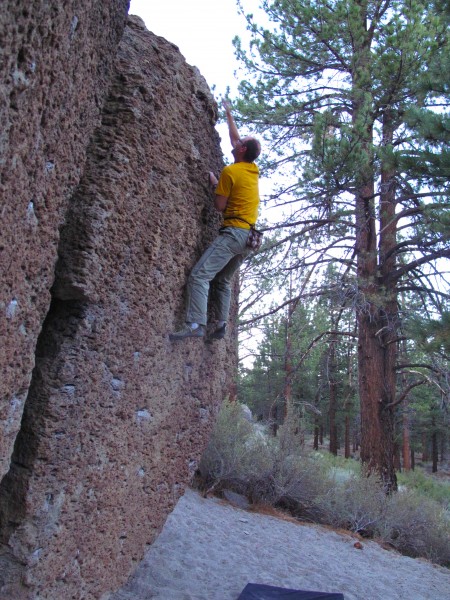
{"x":397,"y":462}
{"x":377,"y":307}
{"x":406,"y":444}
{"x":332,"y":387}
{"x":288,"y":370}
{"x":348,"y":402}
{"x":406,"y":425}
{"x":273,"y":419}
{"x":443,"y":448}
{"x":316,"y":420}
{"x":434,"y":448}
{"x":424,"y":447}
{"x":347,"y":437}
{"x":273,"y":411}
{"x":288,"y":367}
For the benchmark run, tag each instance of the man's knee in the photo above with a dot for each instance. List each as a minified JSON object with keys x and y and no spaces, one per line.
{"x":198,"y":279}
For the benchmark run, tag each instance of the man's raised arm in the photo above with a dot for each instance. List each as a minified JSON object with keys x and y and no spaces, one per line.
{"x":232,"y":129}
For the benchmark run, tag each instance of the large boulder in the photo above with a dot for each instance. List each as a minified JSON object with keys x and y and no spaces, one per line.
{"x":115,"y":416}
{"x":55,"y":69}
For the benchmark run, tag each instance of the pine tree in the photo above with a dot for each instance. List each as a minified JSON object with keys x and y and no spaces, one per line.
{"x":350,"y":94}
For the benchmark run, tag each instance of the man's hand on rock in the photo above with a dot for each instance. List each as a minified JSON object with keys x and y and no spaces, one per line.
{"x":213,"y":179}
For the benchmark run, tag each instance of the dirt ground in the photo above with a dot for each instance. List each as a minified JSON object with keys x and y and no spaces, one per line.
{"x":209,"y":550}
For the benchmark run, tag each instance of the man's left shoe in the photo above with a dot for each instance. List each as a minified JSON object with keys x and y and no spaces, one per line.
{"x":219,"y":333}
{"x":186,"y":332}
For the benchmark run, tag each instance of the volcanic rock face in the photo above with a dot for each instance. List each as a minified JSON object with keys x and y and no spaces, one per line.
{"x":55,"y":68}
{"x":115,"y":415}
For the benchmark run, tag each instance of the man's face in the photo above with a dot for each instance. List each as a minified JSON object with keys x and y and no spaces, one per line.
{"x":240,"y":149}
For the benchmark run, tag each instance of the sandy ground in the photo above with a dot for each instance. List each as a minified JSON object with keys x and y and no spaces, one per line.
{"x":209,"y":550}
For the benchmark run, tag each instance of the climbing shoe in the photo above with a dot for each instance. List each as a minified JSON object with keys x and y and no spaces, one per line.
{"x":186,"y":332}
{"x":219,"y":333}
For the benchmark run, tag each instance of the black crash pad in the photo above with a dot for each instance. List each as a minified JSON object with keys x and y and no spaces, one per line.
{"x":258,"y":591}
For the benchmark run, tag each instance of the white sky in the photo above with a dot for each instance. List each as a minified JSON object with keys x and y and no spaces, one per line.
{"x":203,"y":30}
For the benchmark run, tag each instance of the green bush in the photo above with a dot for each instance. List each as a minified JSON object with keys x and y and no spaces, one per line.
{"x":230,"y":450}
{"x":426,"y":485}
{"x":357,"y":504}
{"x":334,"y":463}
{"x":239,"y":456}
{"x":416,"y":526}
{"x":294,"y":477}
{"x":290,"y":481}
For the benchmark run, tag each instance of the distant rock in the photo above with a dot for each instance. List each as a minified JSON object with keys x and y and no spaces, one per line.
{"x":236,"y":499}
{"x":246,"y":413}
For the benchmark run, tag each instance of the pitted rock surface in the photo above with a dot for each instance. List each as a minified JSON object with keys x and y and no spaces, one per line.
{"x":55,"y":68}
{"x":116,"y":416}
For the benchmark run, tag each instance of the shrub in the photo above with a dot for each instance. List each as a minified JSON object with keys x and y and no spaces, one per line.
{"x":289,"y":481}
{"x":239,"y":456}
{"x":338,"y":464}
{"x":426,"y":485}
{"x":297,"y":478}
{"x":357,"y":504}
{"x":416,"y":526}
{"x":229,"y":449}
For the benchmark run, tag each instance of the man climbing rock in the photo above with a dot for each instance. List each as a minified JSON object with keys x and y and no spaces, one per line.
{"x":237,"y":197}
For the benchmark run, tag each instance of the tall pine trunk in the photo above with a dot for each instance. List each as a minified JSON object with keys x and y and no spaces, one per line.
{"x":348,"y":401}
{"x":287,"y":384}
{"x":347,"y":437}
{"x":376,"y":352}
{"x":434,"y":447}
{"x":425,"y":457}
{"x":406,"y":424}
{"x":332,"y":387}
{"x":406,"y":441}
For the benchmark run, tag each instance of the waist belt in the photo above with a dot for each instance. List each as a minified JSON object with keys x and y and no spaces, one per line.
{"x":239,"y":219}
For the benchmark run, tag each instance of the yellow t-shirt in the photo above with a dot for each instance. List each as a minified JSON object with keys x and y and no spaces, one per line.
{"x":239,"y":183}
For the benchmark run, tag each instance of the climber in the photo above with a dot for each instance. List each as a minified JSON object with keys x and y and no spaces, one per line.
{"x":237,"y":197}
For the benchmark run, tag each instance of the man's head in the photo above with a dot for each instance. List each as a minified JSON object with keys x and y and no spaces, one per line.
{"x":246,"y":150}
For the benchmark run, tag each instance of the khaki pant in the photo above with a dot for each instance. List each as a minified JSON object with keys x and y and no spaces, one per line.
{"x":219,"y":263}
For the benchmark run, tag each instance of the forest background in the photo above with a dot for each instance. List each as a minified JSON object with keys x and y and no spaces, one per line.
{"x":351,"y":98}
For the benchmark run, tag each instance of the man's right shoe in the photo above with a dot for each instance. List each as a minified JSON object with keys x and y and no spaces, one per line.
{"x":186,"y":332}
{"x":219,"y":333}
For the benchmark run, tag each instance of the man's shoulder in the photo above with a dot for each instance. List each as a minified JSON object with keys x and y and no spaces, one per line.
{"x":228,"y":168}
{"x":242,"y":167}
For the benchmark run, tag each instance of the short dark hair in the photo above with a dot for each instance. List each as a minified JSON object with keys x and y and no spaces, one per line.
{"x":253,"y":149}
